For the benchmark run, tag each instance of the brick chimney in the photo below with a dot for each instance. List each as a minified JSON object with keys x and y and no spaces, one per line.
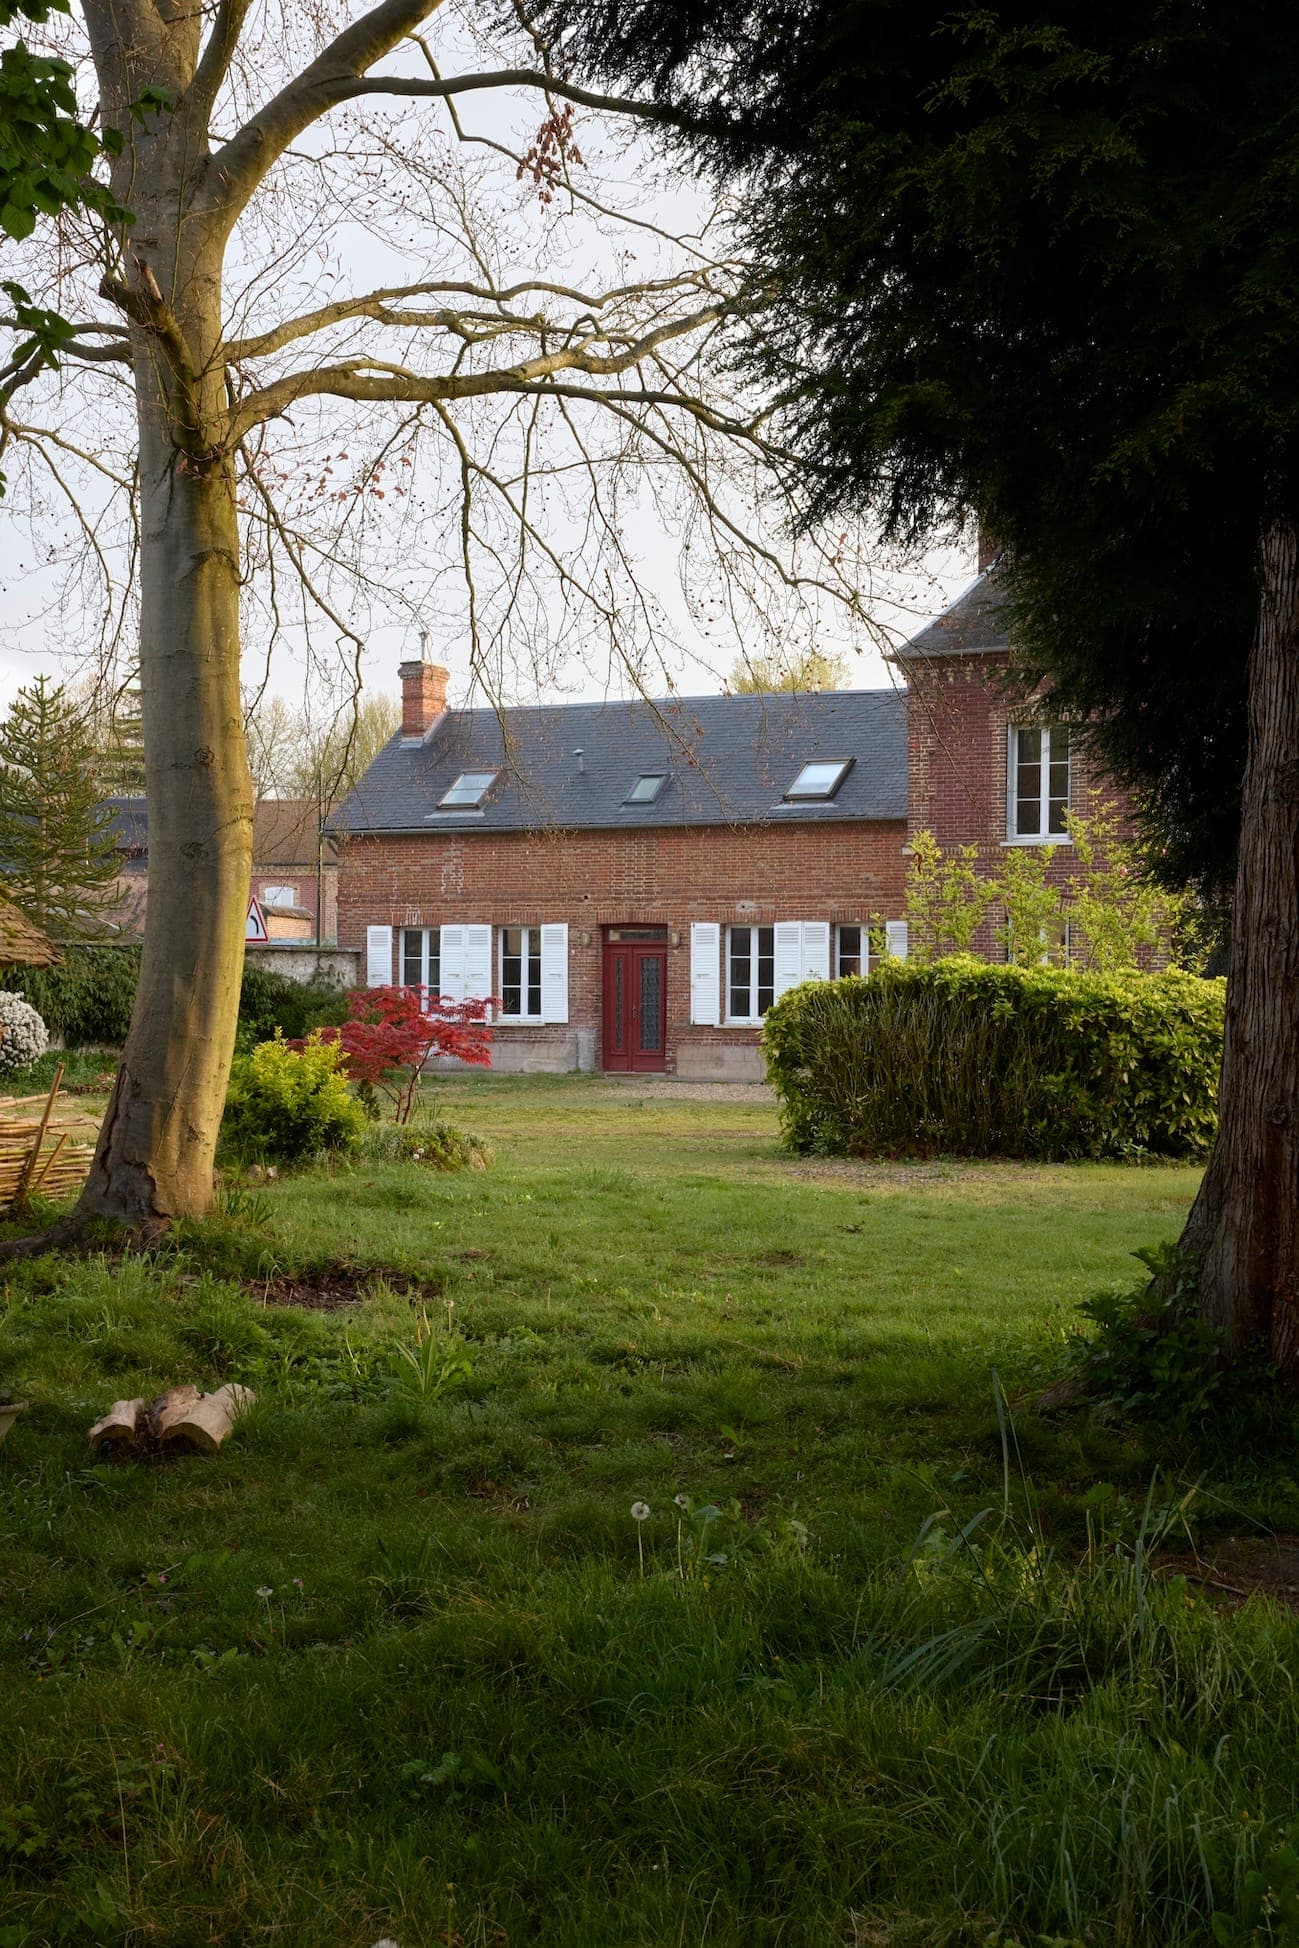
{"x":423,"y":698}
{"x":989,"y":548}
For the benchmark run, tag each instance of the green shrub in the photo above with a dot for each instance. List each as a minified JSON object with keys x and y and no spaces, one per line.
{"x":269,"y":1002}
{"x":88,"y":996}
{"x":437,"y":1146}
{"x":86,"y":1000}
{"x":285,"y":1103}
{"x":966,"y":1059}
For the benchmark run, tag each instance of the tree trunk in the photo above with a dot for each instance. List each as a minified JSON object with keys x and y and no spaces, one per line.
{"x":1243,"y":1230}
{"x":156,"y":1150}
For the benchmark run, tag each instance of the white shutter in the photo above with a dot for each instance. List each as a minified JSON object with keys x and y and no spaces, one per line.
{"x":378,"y":957}
{"x":452,"y":983}
{"x":705,"y":974}
{"x":789,"y":955}
{"x":895,"y":933}
{"x":478,"y":982}
{"x":816,"y":950}
{"x":554,"y":972}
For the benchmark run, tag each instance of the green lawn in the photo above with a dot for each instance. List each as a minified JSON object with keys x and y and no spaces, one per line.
{"x":399,"y":1662}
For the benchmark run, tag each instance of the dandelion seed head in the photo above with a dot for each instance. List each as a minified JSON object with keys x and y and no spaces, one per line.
{"x":640,"y":1511}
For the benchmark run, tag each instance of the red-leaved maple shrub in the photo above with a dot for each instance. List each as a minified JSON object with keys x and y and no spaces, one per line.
{"x":390,"y":1033}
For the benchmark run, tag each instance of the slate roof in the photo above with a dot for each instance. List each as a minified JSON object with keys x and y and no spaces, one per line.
{"x":128,"y":820}
{"x":970,"y":626}
{"x":728,"y":760}
{"x":284,"y":832}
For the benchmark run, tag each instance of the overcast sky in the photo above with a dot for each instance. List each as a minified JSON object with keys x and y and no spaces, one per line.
{"x":40,"y":630}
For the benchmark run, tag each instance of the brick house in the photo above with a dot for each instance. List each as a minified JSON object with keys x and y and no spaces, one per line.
{"x":636,"y":882}
{"x":294,"y":876}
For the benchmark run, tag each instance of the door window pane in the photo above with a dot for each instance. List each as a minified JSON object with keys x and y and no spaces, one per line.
{"x":651,"y":1002}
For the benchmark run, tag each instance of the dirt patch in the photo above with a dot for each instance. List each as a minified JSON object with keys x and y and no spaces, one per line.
{"x":330,"y":1288}
{"x":1234,"y":1568}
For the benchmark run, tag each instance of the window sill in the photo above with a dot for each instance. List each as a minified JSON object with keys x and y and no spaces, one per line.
{"x":1051,"y":839}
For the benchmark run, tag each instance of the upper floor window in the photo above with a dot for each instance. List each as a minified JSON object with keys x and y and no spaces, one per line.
{"x":1039,"y":782}
{"x":521,"y":973}
{"x":646,"y":788}
{"x":819,"y":780}
{"x":468,"y":791}
{"x":280,"y":895}
{"x":421,"y":962}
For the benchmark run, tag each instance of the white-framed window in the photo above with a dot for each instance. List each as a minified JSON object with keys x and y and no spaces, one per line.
{"x":1038,"y":783}
{"x":421,"y":962}
{"x":280,"y":895}
{"x":851,"y":950}
{"x":520,"y":964}
{"x":750,"y":972}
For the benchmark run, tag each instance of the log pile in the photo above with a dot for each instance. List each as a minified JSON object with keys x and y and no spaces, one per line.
{"x":181,"y":1417}
{"x":41,"y":1153}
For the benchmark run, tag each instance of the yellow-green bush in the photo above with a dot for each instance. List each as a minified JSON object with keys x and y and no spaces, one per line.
{"x":285,"y":1103}
{"x":966,"y":1059}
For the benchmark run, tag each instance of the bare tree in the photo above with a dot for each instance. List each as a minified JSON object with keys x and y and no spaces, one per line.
{"x":313,"y":371}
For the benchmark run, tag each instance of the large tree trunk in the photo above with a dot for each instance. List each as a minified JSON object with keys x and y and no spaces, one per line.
{"x":1243,"y":1231}
{"x":155,"y":1154}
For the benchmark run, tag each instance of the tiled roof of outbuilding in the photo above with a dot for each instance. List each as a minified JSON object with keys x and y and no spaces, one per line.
{"x":727,"y":760}
{"x":971,"y":625}
{"x":21,"y":942}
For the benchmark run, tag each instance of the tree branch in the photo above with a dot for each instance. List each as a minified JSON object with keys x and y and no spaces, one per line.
{"x":240,"y":164}
{"x":373,"y":379}
{"x":373,"y":304}
{"x":214,"y":63}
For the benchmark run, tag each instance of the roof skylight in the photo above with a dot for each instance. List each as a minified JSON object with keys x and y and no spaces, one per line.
{"x":468,"y":791}
{"x":646,"y":788}
{"x":819,"y":780}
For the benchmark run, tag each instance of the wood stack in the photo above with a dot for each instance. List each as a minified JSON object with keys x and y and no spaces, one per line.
{"x":181,"y":1417}
{"x":42,"y":1154}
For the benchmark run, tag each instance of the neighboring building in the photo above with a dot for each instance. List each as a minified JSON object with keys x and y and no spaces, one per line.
{"x":22,"y":943}
{"x":295,"y":875}
{"x":636,"y":882}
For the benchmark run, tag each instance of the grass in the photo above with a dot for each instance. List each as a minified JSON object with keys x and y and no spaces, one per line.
{"x":399,"y":1661}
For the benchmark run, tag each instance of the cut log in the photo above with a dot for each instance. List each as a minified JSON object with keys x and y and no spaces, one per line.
{"x":206,"y":1421}
{"x":9,"y":1412}
{"x":119,"y":1428}
{"x":168,"y":1411}
{"x":181,"y":1416}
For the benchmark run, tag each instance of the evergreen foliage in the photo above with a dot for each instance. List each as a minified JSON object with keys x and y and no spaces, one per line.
{"x":88,"y":996}
{"x":1038,"y":263}
{"x":56,"y":840}
{"x":966,"y":1059}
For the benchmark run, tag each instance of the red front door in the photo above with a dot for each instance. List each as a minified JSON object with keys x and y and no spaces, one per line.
{"x":635,"y":1004}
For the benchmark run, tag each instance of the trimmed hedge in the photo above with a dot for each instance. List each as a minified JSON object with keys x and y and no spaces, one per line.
{"x":86,"y":999}
{"x":965,"y":1059}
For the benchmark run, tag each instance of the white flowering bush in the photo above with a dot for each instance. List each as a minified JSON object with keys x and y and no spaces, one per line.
{"x":23,"y":1035}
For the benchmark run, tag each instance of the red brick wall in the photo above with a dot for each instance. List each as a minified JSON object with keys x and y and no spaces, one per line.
{"x":959,"y":714}
{"x":594,"y":880}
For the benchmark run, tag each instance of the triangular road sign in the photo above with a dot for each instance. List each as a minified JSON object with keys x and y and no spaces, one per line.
{"x":255,"y":927}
